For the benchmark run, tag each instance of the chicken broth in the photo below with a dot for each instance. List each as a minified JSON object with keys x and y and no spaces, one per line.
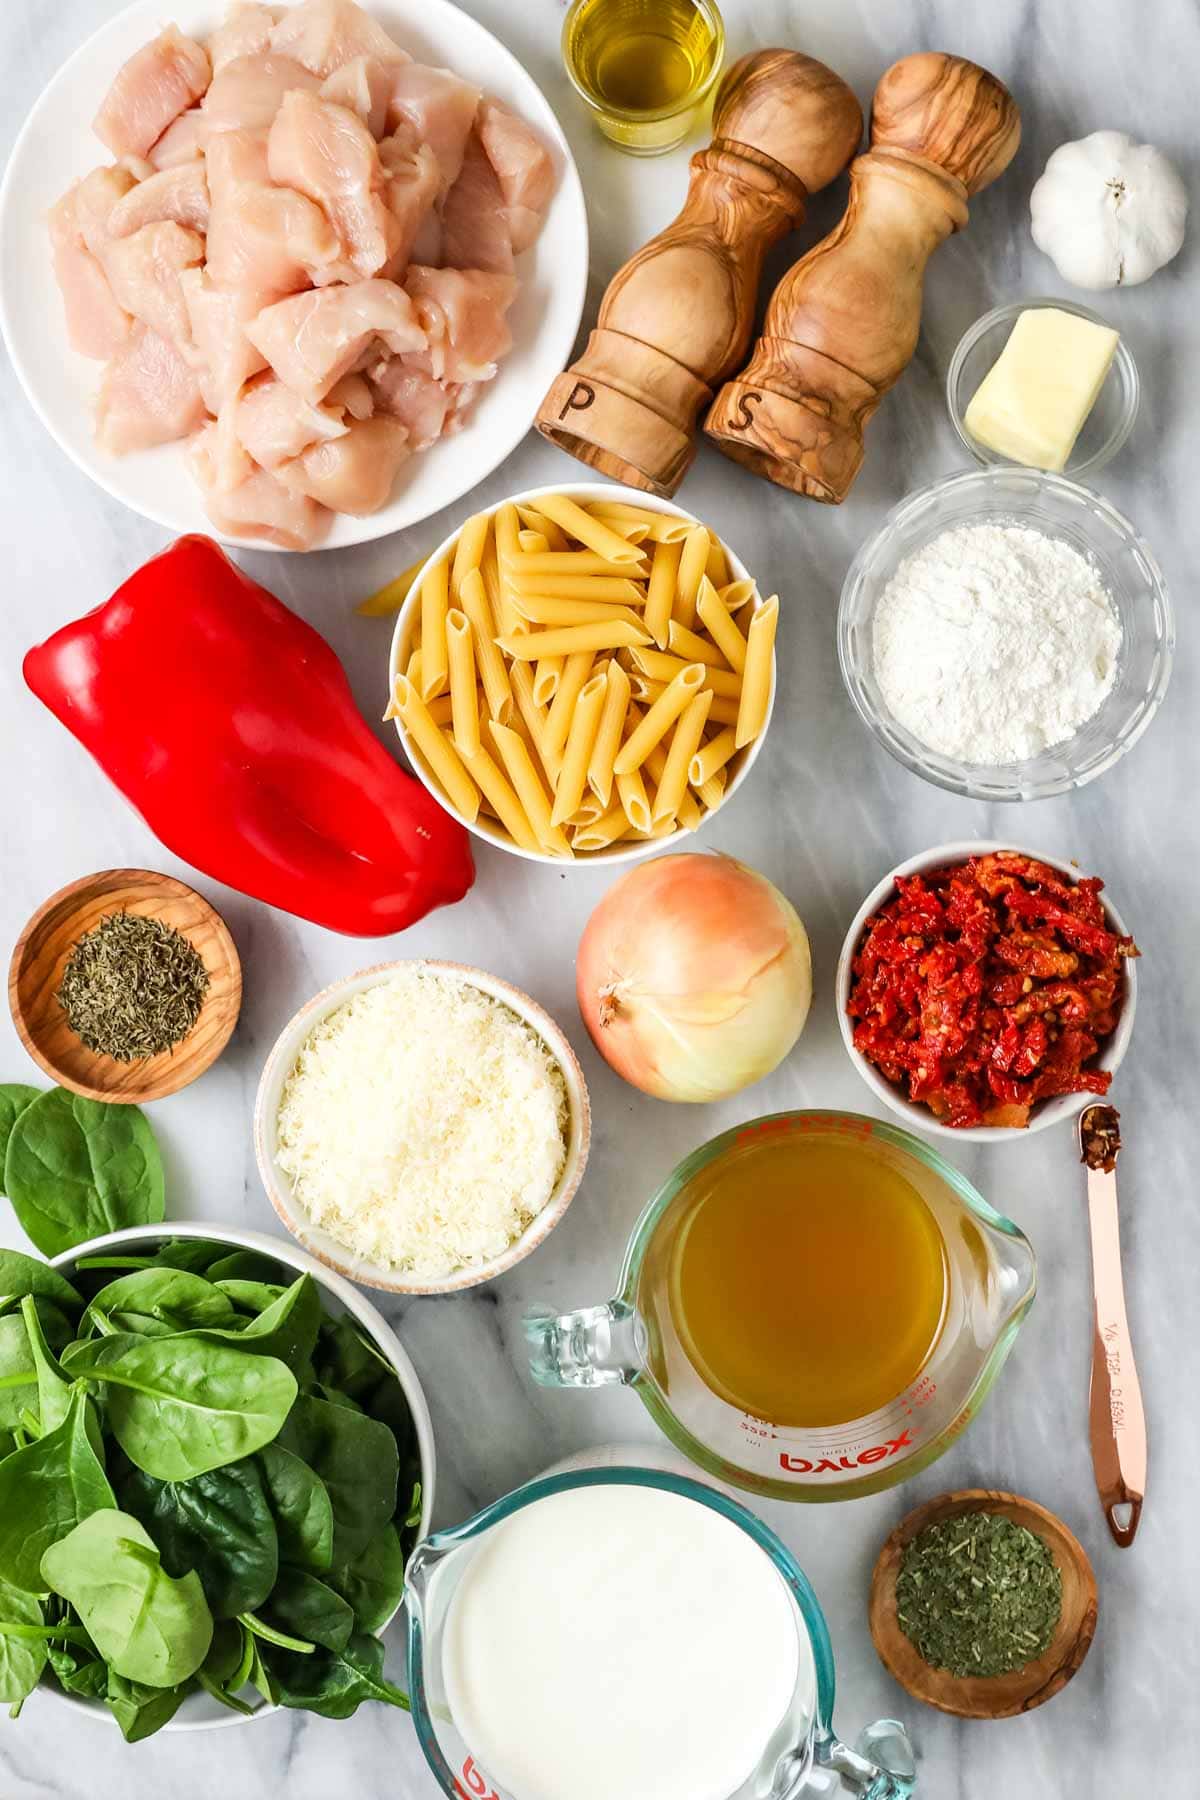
{"x":808,"y":1280}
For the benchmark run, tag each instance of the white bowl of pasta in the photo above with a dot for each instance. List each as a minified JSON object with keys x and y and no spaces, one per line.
{"x":582,"y":673}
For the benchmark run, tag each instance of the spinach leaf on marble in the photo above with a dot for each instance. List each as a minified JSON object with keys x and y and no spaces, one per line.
{"x":15,"y":1096}
{"x":77,"y":1168}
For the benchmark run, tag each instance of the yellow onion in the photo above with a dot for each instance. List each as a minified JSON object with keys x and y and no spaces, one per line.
{"x":694,"y":977}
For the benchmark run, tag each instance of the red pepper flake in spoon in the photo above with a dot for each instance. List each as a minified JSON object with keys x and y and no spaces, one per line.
{"x":988,"y":985}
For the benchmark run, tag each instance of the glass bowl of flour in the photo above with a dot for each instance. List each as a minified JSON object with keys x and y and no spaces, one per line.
{"x":1006,"y":634}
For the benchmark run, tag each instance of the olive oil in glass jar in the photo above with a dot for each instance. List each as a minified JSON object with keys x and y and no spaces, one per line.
{"x":644,"y":67}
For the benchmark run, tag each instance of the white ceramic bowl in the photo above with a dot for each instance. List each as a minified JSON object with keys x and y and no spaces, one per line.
{"x":329,"y":1250}
{"x":482,"y":827}
{"x":56,"y":146}
{"x":200,"y":1712}
{"x":918,"y":1117}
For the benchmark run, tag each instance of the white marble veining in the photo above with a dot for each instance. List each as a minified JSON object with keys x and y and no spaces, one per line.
{"x":824,"y":815}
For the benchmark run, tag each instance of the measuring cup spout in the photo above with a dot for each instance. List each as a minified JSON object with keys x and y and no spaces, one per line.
{"x":881,"y":1767}
{"x":594,"y":1347}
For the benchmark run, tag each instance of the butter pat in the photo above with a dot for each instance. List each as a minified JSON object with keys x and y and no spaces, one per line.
{"x":1034,"y":401}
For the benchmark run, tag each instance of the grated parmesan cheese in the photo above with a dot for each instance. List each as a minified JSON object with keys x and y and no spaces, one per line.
{"x":423,"y":1124}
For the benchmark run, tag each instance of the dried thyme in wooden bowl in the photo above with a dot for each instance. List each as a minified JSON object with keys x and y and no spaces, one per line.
{"x":133,"y":987}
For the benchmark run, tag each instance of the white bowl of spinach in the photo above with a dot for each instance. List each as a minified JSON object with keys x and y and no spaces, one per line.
{"x":211,"y":1478}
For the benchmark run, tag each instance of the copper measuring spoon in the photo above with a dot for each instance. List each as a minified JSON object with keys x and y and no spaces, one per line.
{"x":1118,"y":1421}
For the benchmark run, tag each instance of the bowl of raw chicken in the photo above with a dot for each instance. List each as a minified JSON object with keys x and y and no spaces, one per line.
{"x":295,"y":275}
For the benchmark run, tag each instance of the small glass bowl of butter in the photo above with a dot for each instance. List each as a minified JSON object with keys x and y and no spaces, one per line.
{"x":1032,"y":404}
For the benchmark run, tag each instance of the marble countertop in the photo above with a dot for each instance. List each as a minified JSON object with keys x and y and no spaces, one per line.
{"x":825,"y":814}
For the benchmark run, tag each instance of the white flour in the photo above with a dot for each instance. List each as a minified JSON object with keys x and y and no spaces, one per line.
{"x":995,"y":642}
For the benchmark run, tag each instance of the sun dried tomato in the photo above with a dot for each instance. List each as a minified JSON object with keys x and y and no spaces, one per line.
{"x":984,"y":987}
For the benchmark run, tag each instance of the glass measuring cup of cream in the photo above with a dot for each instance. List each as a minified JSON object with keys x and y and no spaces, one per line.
{"x":628,"y":1631}
{"x":812,"y":1307}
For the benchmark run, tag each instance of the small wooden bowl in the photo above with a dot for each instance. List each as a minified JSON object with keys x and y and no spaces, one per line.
{"x":996,"y":1696}
{"x":41,"y":953}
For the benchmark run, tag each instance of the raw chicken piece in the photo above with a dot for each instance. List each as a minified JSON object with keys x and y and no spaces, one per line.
{"x":157,"y":83}
{"x":143,"y":272}
{"x":180,"y":194}
{"x":412,"y":396}
{"x":229,"y":461}
{"x":475,"y":230}
{"x":353,"y":394}
{"x":140,"y":167}
{"x":324,"y":34}
{"x":462,"y":313}
{"x":246,"y":32}
{"x":148,"y":396}
{"x":182,"y":141}
{"x":246,"y":95}
{"x":313,"y":339}
{"x":412,"y":182}
{"x":523,"y":169}
{"x":440,"y":107}
{"x":427,"y":245}
{"x":365,"y":86}
{"x":258,"y":507}
{"x":354,"y":473}
{"x":326,"y":152}
{"x":274,"y":425}
{"x":96,"y":325}
{"x":225,"y":357}
{"x":96,"y":198}
{"x":264,"y":241}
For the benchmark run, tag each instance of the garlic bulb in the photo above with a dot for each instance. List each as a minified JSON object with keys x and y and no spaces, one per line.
{"x":1108,"y":212}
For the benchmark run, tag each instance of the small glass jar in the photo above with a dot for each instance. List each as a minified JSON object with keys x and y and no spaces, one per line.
{"x":644,"y":68}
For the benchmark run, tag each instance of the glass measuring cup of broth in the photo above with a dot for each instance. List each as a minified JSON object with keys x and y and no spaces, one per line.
{"x":625,"y":1630}
{"x":812,"y":1307}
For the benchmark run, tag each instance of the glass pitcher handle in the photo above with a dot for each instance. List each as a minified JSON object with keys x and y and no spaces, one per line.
{"x":880,"y":1767}
{"x":594,"y":1347}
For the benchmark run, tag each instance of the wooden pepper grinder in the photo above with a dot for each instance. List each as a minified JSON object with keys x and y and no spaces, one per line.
{"x":842,"y":325}
{"x":677,"y":318}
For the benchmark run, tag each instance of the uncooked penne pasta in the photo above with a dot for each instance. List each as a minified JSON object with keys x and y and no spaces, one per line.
{"x":685,"y":741}
{"x":434,"y":602}
{"x":576,"y":587}
{"x":689,"y":814}
{"x":662,"y":667}
{"x":527,"y":784}
{"x":505,"y":526}
{"x":735,"y":594}
{"x":661,"y":528}
{"x":581,"y":739}
{"x":445,"y":765}
{"x":712,"y":756}
{"x":587,"y":812}
{"x":692,"y":647}
{"x":413,"y":668}
{"x":567,"y":640}
{"x":464,"y":712}
{"x":599,"y":833}
{"x":500,"y":795}
{"x":537,"y":560}
{"x":441,"y":709}
{"x":533,"y":717}
{"x":717,"y":566}
{"x":532,"y":543}
{"x":546,"y":677}
{"x":497,"y":591}
{"x":468,"y":552}
{"x":721,"y":628}
{"x":548,"y":609}
{"x":576,"y":671}
{"x":608,"y":735}
{"x":537,"y":521}
{"x":710,"y":793}
{"x":756,"y":683}
{"x":691,"y":569}
{"x":392,"y":595}
{"x":635,"y":804}
{"x":592,"y":532}
{"x":492,"y":671}
{"x":660,"y":595}
{"x":660,"y":718}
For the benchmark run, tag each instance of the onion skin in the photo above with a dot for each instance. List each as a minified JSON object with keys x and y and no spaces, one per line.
{"x":694,"y":977}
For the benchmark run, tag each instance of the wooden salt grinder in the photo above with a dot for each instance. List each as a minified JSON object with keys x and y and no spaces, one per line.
{"x":677,"y":318}
{"x":842,"y":325}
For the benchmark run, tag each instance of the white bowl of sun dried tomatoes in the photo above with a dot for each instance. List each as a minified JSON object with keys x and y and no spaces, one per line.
{"x":985,"y":991}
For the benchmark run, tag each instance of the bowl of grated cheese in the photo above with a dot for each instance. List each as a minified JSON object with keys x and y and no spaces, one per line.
{"x":421,"y":1126}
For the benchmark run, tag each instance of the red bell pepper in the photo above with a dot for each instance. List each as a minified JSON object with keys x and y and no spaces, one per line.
{"x":229,"y":724}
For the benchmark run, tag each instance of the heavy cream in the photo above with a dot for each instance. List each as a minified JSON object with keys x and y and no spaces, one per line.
{"x":623,"y":1641}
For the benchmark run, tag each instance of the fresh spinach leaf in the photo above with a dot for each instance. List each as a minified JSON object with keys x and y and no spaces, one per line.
{"x":15,"y":1096}
{"x":21,"y":1275}
{"x":54,"y":1388}
{"x":148,"y":1626}
{"x":246,"y":1265}
{"x":260,"y":1677}
{"x":305,"y":1607}
{"x":156,"y":1302}
{"x":346,"y":1362}
{"x":334,"y":1683}
{"x":356,"y":1458}
{"x":140,"y":1709}
{"x":47,"y":1490}
{"x":287,"y":1328}
{"x":218,"y":1524}
{"x":226,"y":1668}
{"x":79,"y":1669}
{"x":302,"y":1509}
{"x":21,"y":1659}
{"x":373,"y":1584}
{"x":76,"y":1168}
{"x":181,"y":1405}
{"x":18,"y":1372}
{"x":252,"y":1297}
